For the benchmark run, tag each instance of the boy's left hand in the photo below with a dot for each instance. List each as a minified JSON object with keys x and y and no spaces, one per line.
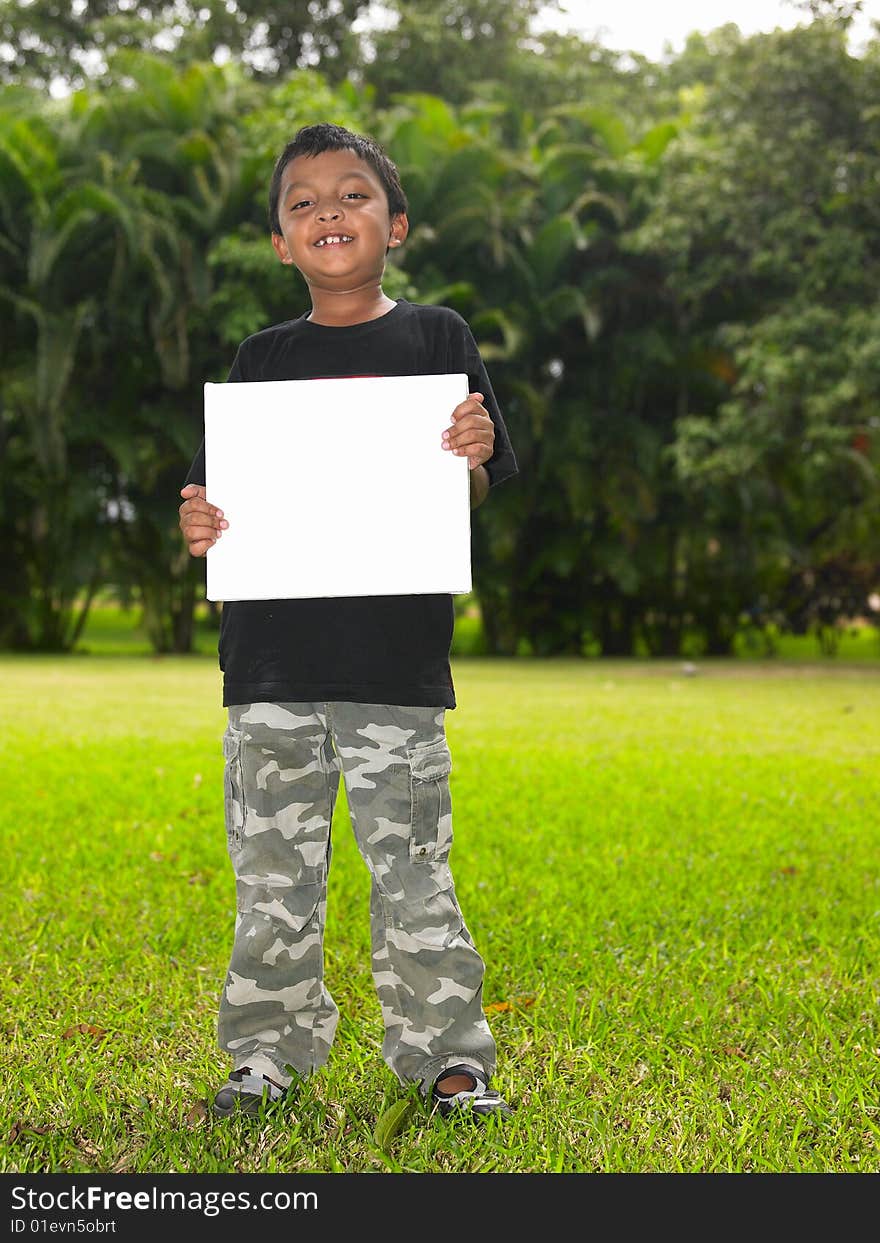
{"x":472,"y":432}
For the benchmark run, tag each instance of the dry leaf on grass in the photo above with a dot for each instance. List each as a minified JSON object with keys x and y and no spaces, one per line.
{"x":25,"y":1128}
{"x":502,"y":1007}
{"x":84,"y":1144}
{"x":733,"y":1050}
{"x":197,"y":1115}
{"x":85,"y":1029}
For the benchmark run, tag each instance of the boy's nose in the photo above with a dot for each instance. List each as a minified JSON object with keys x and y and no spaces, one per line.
{"x":329,"y":213}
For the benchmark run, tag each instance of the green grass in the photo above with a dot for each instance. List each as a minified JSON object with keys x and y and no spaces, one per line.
{"x":673,"y":880}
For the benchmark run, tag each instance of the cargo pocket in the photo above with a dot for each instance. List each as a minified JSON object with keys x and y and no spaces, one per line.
{"x":431,"y":803}
{"x":433,"y":923}
{"x":233,"y":789}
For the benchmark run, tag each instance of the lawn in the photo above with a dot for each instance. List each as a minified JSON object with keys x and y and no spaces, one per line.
{"x":673,"y":879}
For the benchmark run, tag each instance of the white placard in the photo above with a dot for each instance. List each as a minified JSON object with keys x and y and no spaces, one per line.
{"x":337,"y":487}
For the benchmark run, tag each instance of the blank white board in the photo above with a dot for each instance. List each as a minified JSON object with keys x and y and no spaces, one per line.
{"x":337,"y":487}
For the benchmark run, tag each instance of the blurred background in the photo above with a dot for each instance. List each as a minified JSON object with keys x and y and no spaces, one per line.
{"x":664,"y":232}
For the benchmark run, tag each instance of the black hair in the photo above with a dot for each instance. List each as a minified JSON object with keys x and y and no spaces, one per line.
{"x":315,"y":139}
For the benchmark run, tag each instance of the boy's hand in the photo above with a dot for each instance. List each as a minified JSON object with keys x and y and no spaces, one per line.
{"x":200,"y":522}
{"x":472,"y":432}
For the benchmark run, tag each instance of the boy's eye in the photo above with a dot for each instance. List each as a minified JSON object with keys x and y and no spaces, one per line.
{"x":350,"y":194}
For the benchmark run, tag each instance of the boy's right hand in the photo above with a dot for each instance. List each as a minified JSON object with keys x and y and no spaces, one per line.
{"x":200,"y":522}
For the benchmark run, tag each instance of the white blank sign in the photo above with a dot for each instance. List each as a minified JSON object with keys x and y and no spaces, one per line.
{"x":337,"y":487}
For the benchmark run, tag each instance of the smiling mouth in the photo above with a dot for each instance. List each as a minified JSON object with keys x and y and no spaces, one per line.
{"x":335,"y":239}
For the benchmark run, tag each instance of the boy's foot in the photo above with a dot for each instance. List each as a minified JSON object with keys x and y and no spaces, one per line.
{"x":462,"y":1089}
{"x":245,"y":1092}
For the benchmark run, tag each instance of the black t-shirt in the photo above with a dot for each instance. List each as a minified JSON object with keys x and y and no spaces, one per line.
{"x":359,"y":649}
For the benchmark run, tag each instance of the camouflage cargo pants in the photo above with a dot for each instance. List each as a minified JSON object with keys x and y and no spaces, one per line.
{"x":283,"y":762}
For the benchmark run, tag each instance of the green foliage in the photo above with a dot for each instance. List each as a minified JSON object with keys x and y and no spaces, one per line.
{"x":669,"y":269}
{"x":104,"y":269}
{"x":272,"y":36}
{"x":392,"y":1122}
{"x":771,"y":282}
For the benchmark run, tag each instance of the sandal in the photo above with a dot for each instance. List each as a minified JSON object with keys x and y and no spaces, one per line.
{"x":476,"y":1099}
{"x":245,"y":1092}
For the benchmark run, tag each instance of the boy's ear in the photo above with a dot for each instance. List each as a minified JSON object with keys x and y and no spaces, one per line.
{"x":399,"y":229}
{"x":280,"y":247}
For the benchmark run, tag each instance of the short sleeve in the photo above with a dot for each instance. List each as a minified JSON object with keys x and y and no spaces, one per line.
{"x":502,"y":464}
{"x":197,"y":468}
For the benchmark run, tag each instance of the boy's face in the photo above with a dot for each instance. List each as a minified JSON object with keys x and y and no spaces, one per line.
{"x":335,"y":195}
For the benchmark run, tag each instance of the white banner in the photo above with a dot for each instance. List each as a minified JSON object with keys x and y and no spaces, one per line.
{"x":337,"y":487}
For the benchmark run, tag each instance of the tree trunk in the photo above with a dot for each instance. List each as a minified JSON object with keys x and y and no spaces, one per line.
{"x":79,"y":623}
{"x":499,"y":629}
{"x":719,"y":636}
{"x":183,"y":614}
{"x":617,"y":629}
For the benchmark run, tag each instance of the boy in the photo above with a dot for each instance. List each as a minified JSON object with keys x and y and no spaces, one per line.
{"x":358,"y":686}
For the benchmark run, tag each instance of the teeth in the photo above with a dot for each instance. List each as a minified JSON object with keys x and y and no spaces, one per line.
{"x":337,"y":237}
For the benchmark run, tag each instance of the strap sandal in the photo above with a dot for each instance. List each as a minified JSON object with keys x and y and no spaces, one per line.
{"x":245,"y":1092}
{"x":477,"y":1099}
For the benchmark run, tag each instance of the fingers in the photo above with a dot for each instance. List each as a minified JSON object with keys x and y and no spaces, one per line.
{"x":199,"y":534}
{"x":472,"y":432}
{"x":202,"y":524}
{"x":471,"y":404}
{"x":198,"y":548}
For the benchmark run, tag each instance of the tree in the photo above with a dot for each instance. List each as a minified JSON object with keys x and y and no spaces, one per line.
{"x":47,"y":40}
{"x":447,"y":47}
{"x":771,"y":273}
{"x":682,"y":336}
{"x":102,"y":214}
{"x":56,"y":470}
{"x":523,"y":242}
{"x":180,"y":132}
